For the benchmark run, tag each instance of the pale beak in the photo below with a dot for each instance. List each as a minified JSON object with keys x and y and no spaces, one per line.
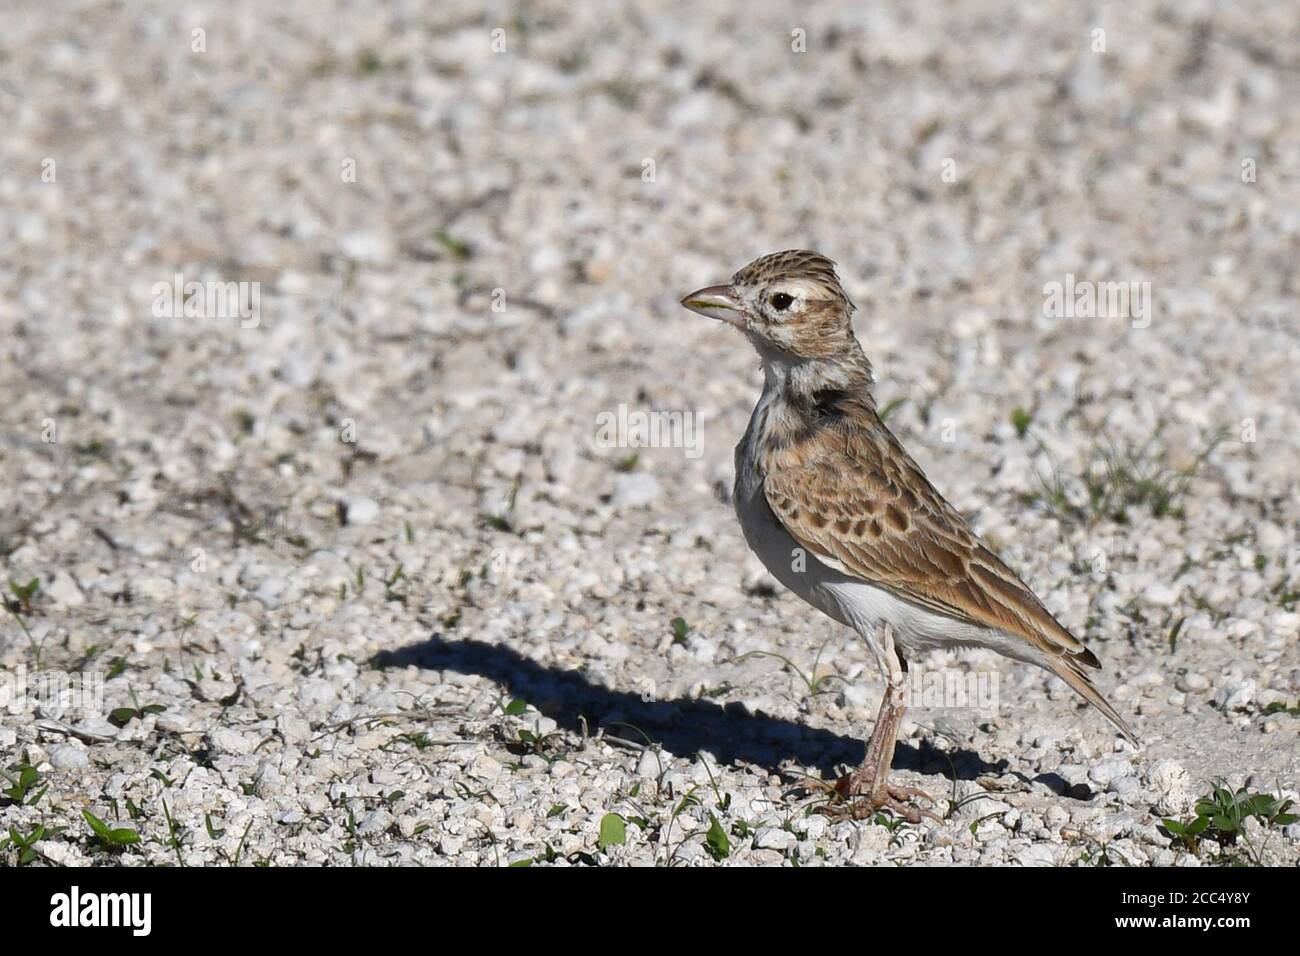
{"x":717,"y":302}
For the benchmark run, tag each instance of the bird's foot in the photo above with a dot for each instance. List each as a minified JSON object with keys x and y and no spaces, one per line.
{"x":807,"y":783}
{"x":847,"y":805}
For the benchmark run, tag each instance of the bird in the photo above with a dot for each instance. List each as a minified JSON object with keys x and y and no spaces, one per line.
{"x":840,"y":514}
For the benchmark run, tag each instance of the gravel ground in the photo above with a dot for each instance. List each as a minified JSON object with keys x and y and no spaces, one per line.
{"x":362,"y":578}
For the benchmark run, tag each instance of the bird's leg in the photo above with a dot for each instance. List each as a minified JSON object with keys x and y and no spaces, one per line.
{"x":869,"y":783}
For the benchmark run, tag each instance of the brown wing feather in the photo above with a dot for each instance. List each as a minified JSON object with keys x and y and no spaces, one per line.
{"x":846,"y":488}
{"x":850,"y":491}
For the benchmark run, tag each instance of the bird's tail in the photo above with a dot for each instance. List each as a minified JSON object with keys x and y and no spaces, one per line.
{"x":1069,"y":667}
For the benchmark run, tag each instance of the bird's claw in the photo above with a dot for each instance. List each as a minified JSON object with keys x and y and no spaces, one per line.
{"x":895,"y":799}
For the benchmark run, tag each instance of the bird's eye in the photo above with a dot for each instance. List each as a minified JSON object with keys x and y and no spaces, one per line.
{"x":781,"y":301}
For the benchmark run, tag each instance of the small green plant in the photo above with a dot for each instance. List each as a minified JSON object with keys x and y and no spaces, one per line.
{"x":548,"y":855}
{"x":1222,"y":815}
{"x":537,"y":744}
{"x":896,"y":826}
{"x":1188,"y":834}
{"x":1094,"y":852}
{"x":239,"y":850}
{"x":496,"y":522}
{"x":392,"y":591}
{"x":1020,"y":420}
{"x":1287,"y":596}
{"x":716,"y":841}
{"x":613,"y":831}
{"x":25,"y":846}
{"x":214,"y":832}
{"x":111,"y":837}
{"x":1173,"y":634}
{"x":23,"y":778}
{"x":25,"y":592}
{"x":162,"y":778}
{"x":23,"y":606}
{"x":459,"y":250}
{"x":121,"y":716}
{"x":688,"y":800}
{"x":1115,"y":479}
{"x":1278,"y":707}
{"x":813,"y":681}
{"x":173,"y":833}
{"x":680,"y":630}
{"x":416,"y":738}
{"x":628,"y":464}
{"x":354,"y":840}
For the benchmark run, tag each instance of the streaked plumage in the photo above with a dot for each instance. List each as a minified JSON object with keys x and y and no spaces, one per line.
{"x":819,"y":473}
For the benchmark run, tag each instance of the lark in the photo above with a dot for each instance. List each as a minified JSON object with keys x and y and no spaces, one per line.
{"x":841,"y":515}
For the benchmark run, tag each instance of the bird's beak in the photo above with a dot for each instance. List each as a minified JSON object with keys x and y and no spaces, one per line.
{"x":717,"y":302}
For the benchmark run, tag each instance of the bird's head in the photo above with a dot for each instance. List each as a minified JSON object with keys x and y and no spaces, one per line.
{"x":790,"y":304}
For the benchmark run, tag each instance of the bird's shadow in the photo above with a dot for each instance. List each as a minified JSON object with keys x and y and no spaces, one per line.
{"x":683,"y":726}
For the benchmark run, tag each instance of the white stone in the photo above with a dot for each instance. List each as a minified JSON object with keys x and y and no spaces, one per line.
{"x":637,"y":490}
{"x":229,"y":741}
{"x":360,"y":511}
{"x":64,"y":590}
{"x":1112,"y":768}
{"x":271,"y":591}
{"x":773,"y":838}
{"x":1127,"y":787}
{"x":367,"y":247}
{"x":650,"y":765}
{"x":1172,"y":786}
{"x":1161,"y":594}
{"x":68,"y":757}
{"x":1038,"y":854}
{"x":1235,"y":696}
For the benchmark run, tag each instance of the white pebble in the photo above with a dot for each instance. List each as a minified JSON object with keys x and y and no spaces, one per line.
{"x":635,"y":491}
{"x":1161,"y":594}
{"x":772,"y":838}
{"x":360,"y":510}
{"x":1112,"y":768}
{"x":65,"y":591}
{"x":68,"y":757}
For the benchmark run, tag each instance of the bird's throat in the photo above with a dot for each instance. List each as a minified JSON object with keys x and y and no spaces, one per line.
{"x":806,"y":383}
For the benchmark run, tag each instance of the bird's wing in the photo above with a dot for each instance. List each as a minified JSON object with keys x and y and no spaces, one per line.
{"x":850,"y":492}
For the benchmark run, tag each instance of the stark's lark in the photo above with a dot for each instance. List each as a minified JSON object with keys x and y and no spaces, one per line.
{"x":841,"y":514}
